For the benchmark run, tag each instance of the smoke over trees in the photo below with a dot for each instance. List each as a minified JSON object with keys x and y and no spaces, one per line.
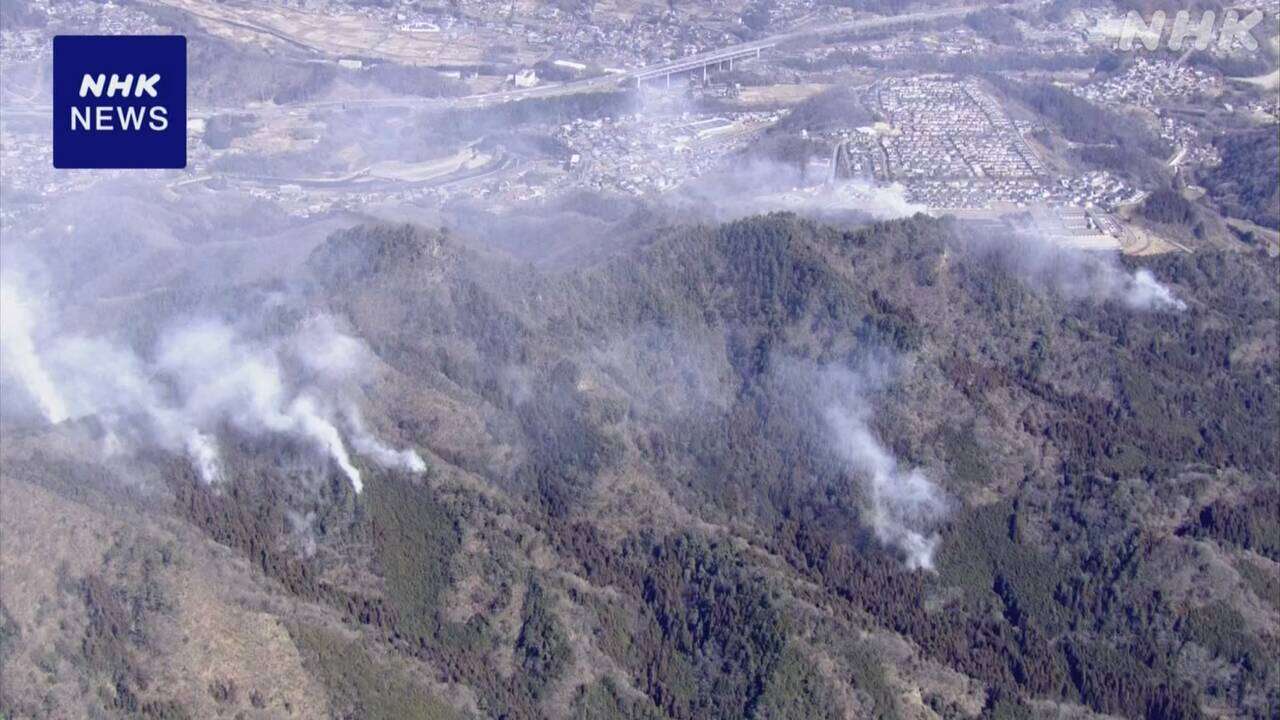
{"x":630,"y":479}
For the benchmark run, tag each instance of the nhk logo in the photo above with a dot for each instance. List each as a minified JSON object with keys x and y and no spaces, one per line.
{"x":100,"y":117}
{"x":119,"y":101}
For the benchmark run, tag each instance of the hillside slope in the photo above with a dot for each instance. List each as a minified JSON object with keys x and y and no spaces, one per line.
{"x":763,"y":469}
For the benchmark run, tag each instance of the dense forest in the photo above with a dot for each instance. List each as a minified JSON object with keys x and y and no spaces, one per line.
{"x":634,"y":507}
{"x":1246,"y":184}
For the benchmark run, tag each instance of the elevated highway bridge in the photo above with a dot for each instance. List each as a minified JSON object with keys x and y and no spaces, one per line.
{"x":726,"y":56}
{"x":704,"y":61}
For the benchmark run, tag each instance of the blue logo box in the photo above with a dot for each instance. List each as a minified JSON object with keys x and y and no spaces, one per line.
{"x":119,"y":101}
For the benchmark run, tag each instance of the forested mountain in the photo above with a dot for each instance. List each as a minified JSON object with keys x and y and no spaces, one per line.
{"x":1246,"y":183}
{"x":762,"y":469}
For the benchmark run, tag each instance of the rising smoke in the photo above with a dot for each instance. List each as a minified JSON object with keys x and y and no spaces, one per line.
{"x":203,"y":375}
{"x":903,"y":506}
{"x":1075,"y":274}
{"x":17,"y":322}
{"x":1142,"y":291}
{"x":757,"y":185}
{"x":833,"y":199}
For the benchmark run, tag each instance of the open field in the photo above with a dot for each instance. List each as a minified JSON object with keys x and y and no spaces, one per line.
{"x":334,"y":35}
{"x":770,"y":95}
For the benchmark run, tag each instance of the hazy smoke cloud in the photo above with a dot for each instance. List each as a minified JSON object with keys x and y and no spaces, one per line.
{"x":1144,"y":292}
{"x":302,"y":526}
{"x":1078,"y":274}
{"x":759,"y":185}
{"x":882,"y":202}
{"x":328,"y":354}
{"x":367,"y":443}
{"x":904,"y":505}
{"x":1103,"y":278}
{"x":204,"y":375}
{"x":17,"y":349}
{"x":222,"y":378}
{"x":203,"y":451}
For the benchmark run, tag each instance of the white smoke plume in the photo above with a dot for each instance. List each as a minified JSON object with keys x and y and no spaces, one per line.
{"x":203,"y":451}
{"x":222,"y":378}
{"x":760,"y":185}
{"x":1102,"y":278}
{"x":1078,"y":274}
{"x":18,"y":353}
{"x":205,"y":375}
{"x":882,"y":202}
{"x":1144,"y":292}
{"x":904,"y":505}
{"x":329,"y":355}
{"x":366,"y":443}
